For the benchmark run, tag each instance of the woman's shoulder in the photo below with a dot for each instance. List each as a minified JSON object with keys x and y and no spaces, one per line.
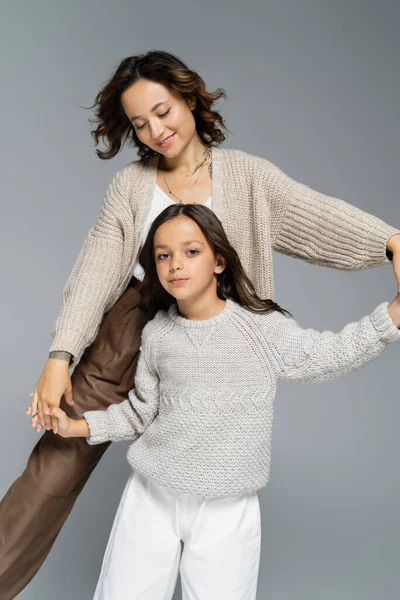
{"x":239,"y":159}
{"x":132,"y":170}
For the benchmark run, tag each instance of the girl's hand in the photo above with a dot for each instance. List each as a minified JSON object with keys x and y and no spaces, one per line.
{"x":64,"y":425}
{"x":54,"y":382}
{"x":394,"y":246}
{"x":394,"y":310}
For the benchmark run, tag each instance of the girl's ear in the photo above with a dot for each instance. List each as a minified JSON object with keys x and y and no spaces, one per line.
{"x":220,"y":264}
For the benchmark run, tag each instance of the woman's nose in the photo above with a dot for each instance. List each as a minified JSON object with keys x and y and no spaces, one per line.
{"x":156,"y":129}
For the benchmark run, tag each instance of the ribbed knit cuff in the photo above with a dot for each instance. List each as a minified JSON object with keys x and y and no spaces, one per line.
{"x":376,"y":242}
{"x":384,"y":325}
{"x":97,"y":421}
{"x":68,"y":340}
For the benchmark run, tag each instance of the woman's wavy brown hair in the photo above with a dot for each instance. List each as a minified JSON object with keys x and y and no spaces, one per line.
{"x":113,"y":126}
{"x":232,"y":283}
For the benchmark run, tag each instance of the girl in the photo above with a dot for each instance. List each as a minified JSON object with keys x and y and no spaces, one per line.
{"x":155,"y":103}
{"x":201,"y":413}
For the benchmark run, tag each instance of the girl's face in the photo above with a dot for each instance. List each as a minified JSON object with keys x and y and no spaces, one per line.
{"x":186,"y":263}
{"x":162,"y":118}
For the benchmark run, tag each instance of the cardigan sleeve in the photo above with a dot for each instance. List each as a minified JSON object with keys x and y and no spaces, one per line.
{"x":309,"y":356}
{"x":130,"y":418}
{"x":321,"y":229}
{"x":95,"y":275}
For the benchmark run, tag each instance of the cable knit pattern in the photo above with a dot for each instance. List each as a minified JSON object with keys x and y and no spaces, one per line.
{"x":261,"y":209}
{"x":202,"y":409}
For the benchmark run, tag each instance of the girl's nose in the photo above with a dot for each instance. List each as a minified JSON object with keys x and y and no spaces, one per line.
{"x":175,"y":265}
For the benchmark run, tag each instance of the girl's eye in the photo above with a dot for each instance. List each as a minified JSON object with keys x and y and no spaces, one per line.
{"x":162,"y":256}
{"x":193,"y":252}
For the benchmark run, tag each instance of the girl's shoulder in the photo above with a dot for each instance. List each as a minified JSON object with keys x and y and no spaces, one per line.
{"x":154,"y":327}
{"x":264,"y":320}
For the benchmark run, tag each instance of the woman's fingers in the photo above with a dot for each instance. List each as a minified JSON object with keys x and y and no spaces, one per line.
{"x":35,"y":399}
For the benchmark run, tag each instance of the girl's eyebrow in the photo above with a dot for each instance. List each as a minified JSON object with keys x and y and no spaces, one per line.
{"x":152,"y":110}
{"x":163,"y":246}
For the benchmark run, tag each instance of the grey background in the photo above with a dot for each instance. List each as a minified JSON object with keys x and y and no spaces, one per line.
{"x":313,"y":86}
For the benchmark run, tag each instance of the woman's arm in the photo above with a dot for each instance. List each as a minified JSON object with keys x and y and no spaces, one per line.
{"x":124,"y":421}
{"x":321,"y":229}
{"x":309,"y":356}
{"x":96,"y":273}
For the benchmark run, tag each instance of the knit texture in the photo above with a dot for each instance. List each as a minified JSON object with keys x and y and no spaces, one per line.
{"x":202,"y":408}
{"x":260,"y":208}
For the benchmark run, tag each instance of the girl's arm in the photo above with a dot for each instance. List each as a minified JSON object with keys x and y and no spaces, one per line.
{"x":130,"y":418}
{"x":309,"y":356}
{"x":321,"y":229}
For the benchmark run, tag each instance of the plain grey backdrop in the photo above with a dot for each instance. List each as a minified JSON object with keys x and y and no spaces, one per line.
{"x":314,"y":86}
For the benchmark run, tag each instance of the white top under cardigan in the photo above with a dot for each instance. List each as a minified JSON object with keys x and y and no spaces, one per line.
{"x":159,"y":202}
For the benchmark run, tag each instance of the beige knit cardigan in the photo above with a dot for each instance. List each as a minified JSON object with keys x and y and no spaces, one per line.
{"x":261,"y":209}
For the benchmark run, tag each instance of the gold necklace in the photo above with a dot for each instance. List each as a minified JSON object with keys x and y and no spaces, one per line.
{"x":206,"y":155}
{"x":185,"y":194}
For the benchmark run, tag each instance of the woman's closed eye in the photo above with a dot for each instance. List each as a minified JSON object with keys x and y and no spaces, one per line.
{"x":159,"y":116}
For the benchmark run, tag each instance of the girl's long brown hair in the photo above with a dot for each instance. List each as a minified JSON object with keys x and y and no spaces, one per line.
{"x":114,"y":128}
{"x":232,"y":283}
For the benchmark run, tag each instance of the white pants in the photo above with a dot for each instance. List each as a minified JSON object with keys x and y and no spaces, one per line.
{"x":157,"y":532}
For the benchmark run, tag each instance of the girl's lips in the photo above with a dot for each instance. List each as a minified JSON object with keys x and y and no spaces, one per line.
{"x":177,"y":281}
{"x":168,"y":141}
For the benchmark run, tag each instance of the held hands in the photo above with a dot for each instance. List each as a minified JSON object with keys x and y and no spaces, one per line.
{"x":45,"y":410}
{"x":394,"y":310}
{"x":64,"y":425}
{"x":394,"y":246}
{"x":54,"y":382}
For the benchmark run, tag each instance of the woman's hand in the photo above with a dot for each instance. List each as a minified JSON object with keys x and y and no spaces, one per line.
{"x":54,"y":382}
{"x":393,"y":246}
{"x":394,"y":310}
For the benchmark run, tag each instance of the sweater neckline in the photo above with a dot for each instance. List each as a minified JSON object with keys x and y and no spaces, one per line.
{"x":174,"y":315}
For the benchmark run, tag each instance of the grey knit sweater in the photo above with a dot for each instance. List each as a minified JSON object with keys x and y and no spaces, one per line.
{"x":261,"y":210}
{"x":202,"y":408}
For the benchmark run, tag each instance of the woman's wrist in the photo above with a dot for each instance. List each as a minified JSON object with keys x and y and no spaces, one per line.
{"x":393,"y":245}
{"x":61,"y":355}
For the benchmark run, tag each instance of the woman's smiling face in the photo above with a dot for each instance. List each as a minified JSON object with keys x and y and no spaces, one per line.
{"x":162,"y":118}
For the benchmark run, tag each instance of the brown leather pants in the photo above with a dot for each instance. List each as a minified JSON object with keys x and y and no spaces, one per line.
{"x":36,"y":506}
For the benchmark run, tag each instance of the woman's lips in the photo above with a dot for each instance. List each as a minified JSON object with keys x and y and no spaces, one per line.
{"x":167,"y":142}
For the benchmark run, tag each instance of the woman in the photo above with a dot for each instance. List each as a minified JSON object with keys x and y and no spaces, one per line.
{"x":157,"y":104}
